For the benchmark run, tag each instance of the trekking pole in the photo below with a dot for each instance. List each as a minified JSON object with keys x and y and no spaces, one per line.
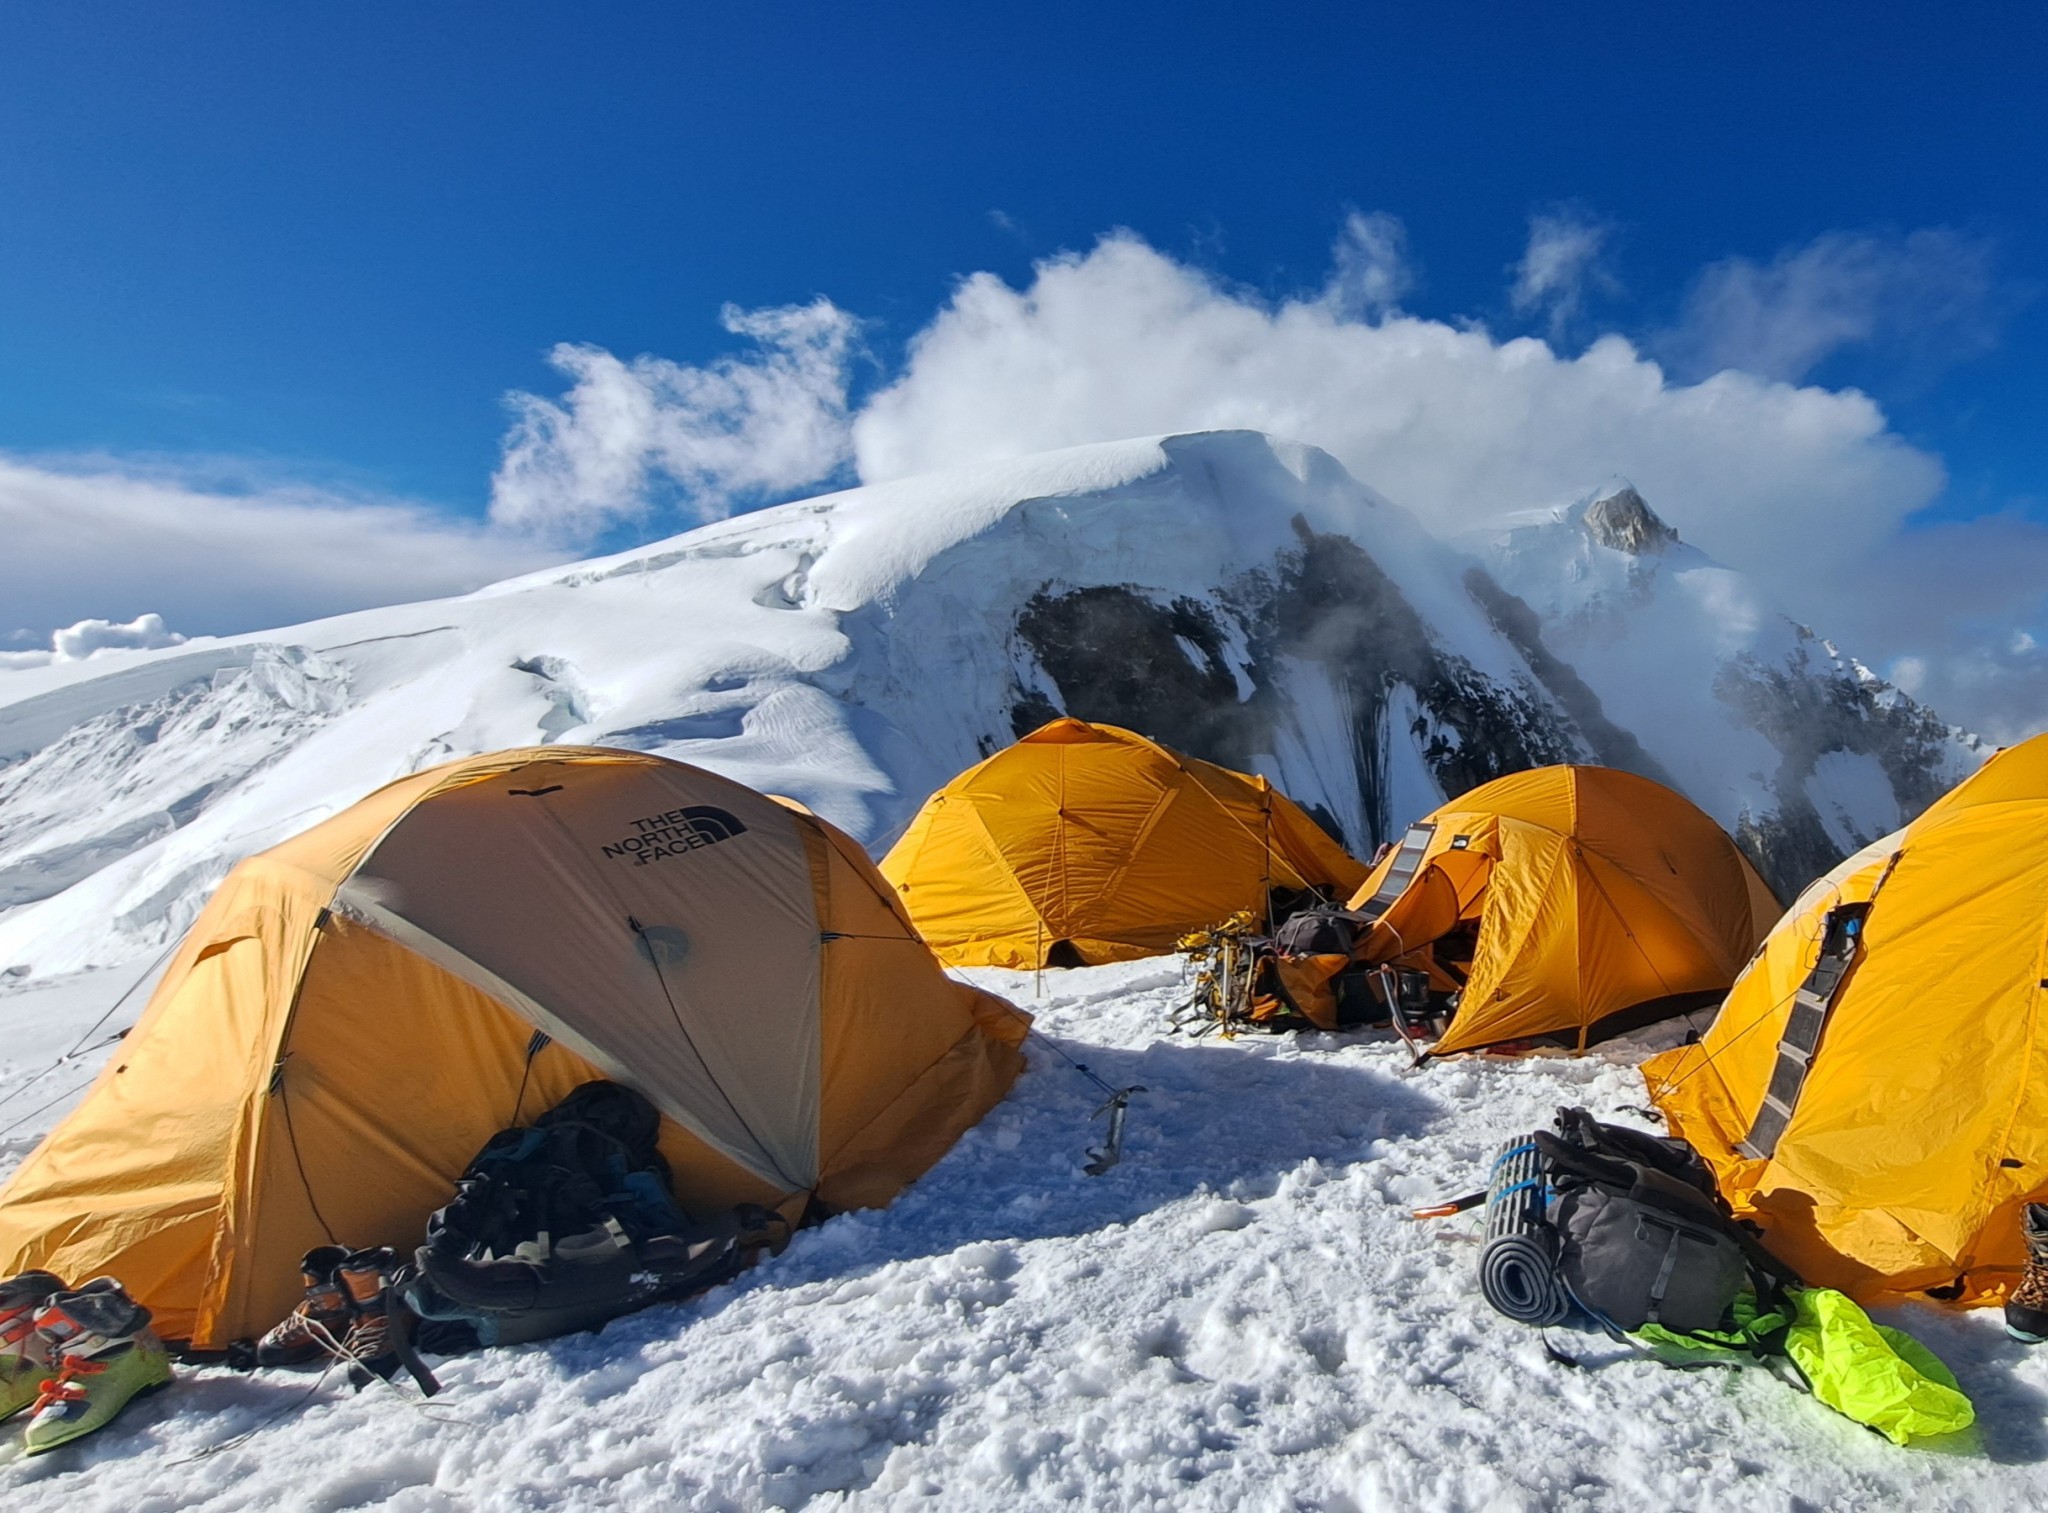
{"x":1390,"y":985}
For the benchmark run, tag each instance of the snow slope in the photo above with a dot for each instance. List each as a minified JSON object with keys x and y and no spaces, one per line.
{"x":1239,"y":597}
{"x":1240,"y":1316}
{"x":1795,"y":746}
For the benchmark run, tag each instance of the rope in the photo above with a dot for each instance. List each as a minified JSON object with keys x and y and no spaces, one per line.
{"x":69,"y":1092}
{"x":284,"y":1098}
{"x":1672,"y":1084}
{"x":297,"y":1405}
{"x":324,"y":1338}
{"x":654,"y":960}
{"x":80,"y":1044}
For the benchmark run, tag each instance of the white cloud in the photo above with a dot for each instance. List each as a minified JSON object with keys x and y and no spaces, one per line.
{"x":88,"y":638}
{"x":1454,"y":424}
{"x":1561,"y":261}
{"x":1370,"y":273}
{"x":629,"y":432}
{"x":75,"y":643}
{"x":1931,"y":297}
{"x":117,"y":541}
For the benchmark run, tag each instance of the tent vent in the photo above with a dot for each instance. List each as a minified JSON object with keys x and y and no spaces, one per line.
{"x":1841,"y":941}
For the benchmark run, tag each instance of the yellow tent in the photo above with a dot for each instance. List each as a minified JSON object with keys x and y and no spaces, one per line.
{"x":1575,"y":900}
{"x":355,"y":1012}
{"x":1085,"y":843}
{"x":1874,"y":1093}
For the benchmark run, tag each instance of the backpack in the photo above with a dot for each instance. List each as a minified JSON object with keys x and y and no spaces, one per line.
{"x":568,"y":1222}
{"x":1637,"y":1231}
{"x":1320,"y":932}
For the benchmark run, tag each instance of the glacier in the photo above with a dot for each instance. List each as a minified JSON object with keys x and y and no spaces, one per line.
{"x":1239,"y":597}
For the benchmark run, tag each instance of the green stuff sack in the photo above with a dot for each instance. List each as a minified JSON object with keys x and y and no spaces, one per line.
{"x":1878,"y":1376}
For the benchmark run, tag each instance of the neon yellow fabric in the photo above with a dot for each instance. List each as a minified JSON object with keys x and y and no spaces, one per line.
{"x":1873,"y":1374}
{"x":1921,"y":1130}
{"x":1595,"y":891}
{"x":1879,"y":1376}
{"x":1091,"y":840}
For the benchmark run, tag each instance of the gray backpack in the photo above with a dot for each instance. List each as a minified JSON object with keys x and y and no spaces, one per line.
{"x":1643,"y":1238}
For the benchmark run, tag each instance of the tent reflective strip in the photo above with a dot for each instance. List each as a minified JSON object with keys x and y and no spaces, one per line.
{"x":1840,"y":944}
{"x":1406,"y":863}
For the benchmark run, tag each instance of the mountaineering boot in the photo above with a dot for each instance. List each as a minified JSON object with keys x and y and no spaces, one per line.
{"x":99,"y":1340}
{"x":23,"y":1363}
{"x":2026,"y":1311}
{"x":379,"y":1335}
{"x":315,"y":1329}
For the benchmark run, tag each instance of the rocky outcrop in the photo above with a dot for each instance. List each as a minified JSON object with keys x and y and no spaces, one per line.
{"x":1623,"y":522}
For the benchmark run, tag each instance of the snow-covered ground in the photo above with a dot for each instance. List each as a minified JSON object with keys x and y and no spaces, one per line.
{"x":1241,"y":1315}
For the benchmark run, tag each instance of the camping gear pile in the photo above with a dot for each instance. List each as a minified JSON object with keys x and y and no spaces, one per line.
{"x":1566,"y":903}
{"x":568,"y":1223}
{"x":1244,"y":975}
{"x":1627,"y":1230}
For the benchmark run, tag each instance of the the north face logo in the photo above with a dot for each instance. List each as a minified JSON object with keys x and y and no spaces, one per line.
{"x":691,"y":828}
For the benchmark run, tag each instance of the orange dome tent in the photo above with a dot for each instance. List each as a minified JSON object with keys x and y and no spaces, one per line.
{"x":1873,"y":1093}
{"x":355,"y":1012}
{"x":1565,"y":900}
{"x":1086,"y":843}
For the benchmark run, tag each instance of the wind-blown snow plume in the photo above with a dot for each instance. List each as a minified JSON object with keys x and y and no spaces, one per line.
{"x":1453,"y":423}
{"x":738,"y":427}
{"x":1370,"y":273}
{"x":1561,"y":261}
{"x":1461,"y":426}
{"x":1931,"y":295}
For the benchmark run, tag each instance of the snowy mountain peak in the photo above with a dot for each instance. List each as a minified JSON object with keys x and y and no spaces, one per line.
{"x":1240,"y":598}
{"x":1622,"y":521}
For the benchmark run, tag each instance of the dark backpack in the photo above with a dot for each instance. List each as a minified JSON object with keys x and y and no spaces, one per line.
{"x":590,"y":1158}
{"x":568,"y":1222}
{"x":1320,"y":932}
{"x":1643,"y":1237}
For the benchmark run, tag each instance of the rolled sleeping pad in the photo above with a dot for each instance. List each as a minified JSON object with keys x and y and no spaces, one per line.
{"x":1518,"y":1261}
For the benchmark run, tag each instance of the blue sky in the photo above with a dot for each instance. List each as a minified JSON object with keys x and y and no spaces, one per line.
{"x":242,"y":244}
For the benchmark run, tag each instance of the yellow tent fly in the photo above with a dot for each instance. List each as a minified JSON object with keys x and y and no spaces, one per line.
{"x":1565,"y":900}
{"x":1872,"y":1093}
{"x":1085,"y":843}
{"x":356,"y":1011}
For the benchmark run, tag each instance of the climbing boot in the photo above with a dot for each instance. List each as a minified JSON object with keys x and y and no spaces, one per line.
{"x":23,"y":1363}
{"x":99,"y":1342}
{"x":315,"y":1329}
{"x":2026,"y":1311}
{"x":379,"y":1335}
